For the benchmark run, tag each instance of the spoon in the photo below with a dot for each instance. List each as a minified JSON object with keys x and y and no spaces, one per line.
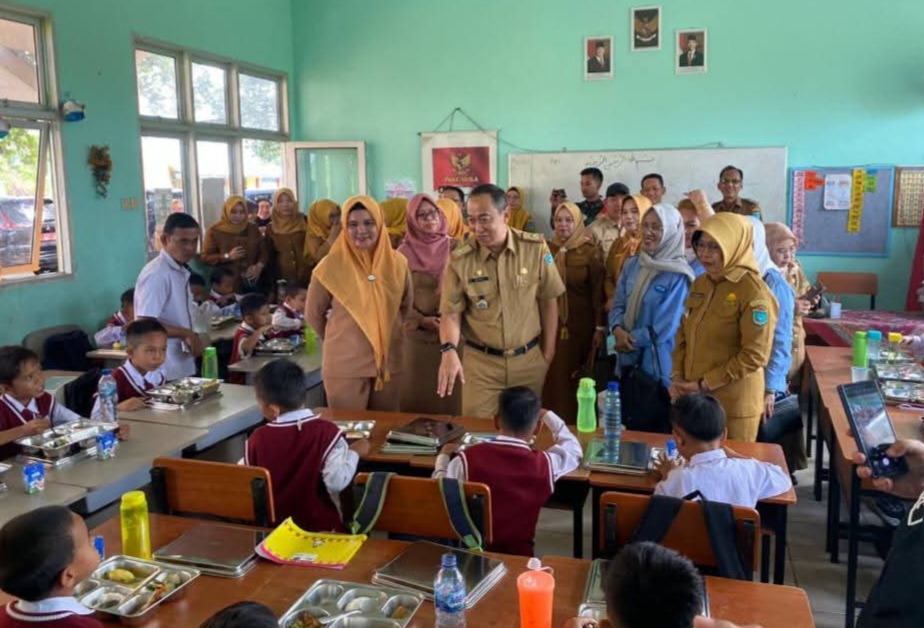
{"x":329,"y":620}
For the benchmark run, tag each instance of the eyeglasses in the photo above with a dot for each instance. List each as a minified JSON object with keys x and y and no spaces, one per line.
{"x":730,"y":182}
{"x":790,"y":250}
{"x":710,"y":247}
{"x":651,"y":228}
{"x":426,"y":216}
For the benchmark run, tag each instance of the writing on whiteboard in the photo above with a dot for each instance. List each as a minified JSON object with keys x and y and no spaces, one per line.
{"x":611,"y":162}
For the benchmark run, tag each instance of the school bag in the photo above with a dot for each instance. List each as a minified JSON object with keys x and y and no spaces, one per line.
{"x":68,"y":352}
{"x":79,"y":393}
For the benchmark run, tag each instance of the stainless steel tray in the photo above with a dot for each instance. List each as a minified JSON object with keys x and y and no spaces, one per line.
{"x":378,"y":607}
{"x":215,"y":550}
{"x":65,"y":440}
{"x":408,"y":449}
{"x":903,"y":392}
{"x":634,"y":458}
{"x":60,"y":462}
{"x":184,"y":392}
{"x":220,"y":321}
{"x":355,"y":430}
{"x":133,"y":602}
{"x":279,"y":346}
{"x":475,"y":438}
{"x":155,"y":404}
{"x":902,"y":371}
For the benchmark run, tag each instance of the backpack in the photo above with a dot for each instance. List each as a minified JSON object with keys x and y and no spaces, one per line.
{"x":68,"y":352}
{"x":80,"y":393}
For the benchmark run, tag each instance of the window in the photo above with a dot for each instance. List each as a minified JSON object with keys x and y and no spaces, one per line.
{"x":210,"y":128}
{"x":32,"y":205}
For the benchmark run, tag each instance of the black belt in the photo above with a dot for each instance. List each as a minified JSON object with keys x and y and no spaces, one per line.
{"x":504,"y":353}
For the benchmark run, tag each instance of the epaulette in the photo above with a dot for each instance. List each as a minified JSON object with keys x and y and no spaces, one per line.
{"x":528,"y":236}
{"x":462,"y":251}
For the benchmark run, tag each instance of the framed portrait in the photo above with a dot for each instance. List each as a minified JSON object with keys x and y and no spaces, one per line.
{"x":645,"y":24}
{"x":692,"y":51}
{"x":598,"y":58}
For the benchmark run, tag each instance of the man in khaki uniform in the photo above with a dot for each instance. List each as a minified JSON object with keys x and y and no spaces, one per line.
{"x":608,"y":225}
{"x":499,"y":293}
{"x":731,"y":180}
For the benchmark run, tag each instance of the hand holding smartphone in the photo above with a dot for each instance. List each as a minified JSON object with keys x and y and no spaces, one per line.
{"x":871,"y":426}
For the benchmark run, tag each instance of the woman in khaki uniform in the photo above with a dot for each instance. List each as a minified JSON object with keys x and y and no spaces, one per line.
{"x":285,"y":238}
{"x":633,"y":210}
{"x":357,"y":302}
{"x":237,"y":244}
{"x":579,"y":261}
{"x":395,"y":212}
{"x":726,"y":337}
{"x":427,"y":247}
{"x":324,"y":228}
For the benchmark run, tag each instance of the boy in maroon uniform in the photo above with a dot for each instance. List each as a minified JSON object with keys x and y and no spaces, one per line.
{"x":521,"y":480}
{"x":289,"y":318}
{"x":26,"y":408}
{"x":112,"y":330}
{"x":222,"y":293}
{"x":307,"y":457}
{"x":147,"y":350}
{"x":253,"y":329}
{"x":44,"y":555}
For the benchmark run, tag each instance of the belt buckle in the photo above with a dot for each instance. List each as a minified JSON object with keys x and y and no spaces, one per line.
{"x":509,"y":353}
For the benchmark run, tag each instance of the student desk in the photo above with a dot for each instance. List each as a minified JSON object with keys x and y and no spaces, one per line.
{"x":106,"y":480}
{"x":15,"y":501}
{"x":737,"y":601}
{"x":773,"y":511}
{"x":230,"y":413}
{"x":310,"y":363}
{"x":112,"y":357}
{"x":820,"y":360}
{"x":838,"y":332}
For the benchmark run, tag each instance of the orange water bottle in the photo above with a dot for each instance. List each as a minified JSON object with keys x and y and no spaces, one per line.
{"x":536,"y":588}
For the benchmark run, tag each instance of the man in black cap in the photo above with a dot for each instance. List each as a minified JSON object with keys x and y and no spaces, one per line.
{"x":608,"y":225}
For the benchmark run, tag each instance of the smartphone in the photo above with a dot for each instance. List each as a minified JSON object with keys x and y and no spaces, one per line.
{"x":814,"y":292}
{"x":872,"y":428}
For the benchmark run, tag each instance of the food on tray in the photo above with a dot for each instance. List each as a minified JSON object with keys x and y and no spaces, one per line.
{"x":306,"y":620}
{"x":400,"y":613}
{"x":356,"y":604}
{"x":108,"y":601}
{"x":122,"y":576}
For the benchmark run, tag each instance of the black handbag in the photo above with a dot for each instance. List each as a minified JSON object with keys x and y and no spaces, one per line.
{"x":787,"y":417}
{"x":646,"y":403}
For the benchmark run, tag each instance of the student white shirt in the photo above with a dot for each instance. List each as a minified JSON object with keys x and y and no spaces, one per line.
{"x":59,"y":413}
{"x":110,"y":334}
{"x":139,"y":381}
{"x":162,"y":292}
{"x":564,"y":456}
{"x":283,"y":318}
{"x":24,"y":611}
{"x":736,"y":481}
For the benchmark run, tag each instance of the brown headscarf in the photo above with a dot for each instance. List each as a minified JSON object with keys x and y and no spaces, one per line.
{"x":284,"y":225}
{"x":518,"y":218}
{"x":735,"y":236}
{"x":395,"y":212}
{"x":368,"y":283}
{"x":579,"y":237}
{"x":319,"y":217}
{"x":224,"y":224}
{"x":455,"y":224}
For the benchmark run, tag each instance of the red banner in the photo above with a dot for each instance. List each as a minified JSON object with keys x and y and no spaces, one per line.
{"x":462,"y":167}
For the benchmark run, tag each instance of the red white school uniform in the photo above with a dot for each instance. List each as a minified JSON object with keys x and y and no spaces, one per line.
{"x":111,"y":331}
{"x":288,"y":322}
{"x":223,"y":300}
{"x":56,"y":612}
{"x":14,"y":414}
{"x":243,"y":332}
{"x":130,"y":383}
{"x":521,"y":481}
{"x":308,"y":460}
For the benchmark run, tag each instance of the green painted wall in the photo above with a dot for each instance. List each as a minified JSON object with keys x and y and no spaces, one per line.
{"x":95,"y":63}
{"x":836,"y":81}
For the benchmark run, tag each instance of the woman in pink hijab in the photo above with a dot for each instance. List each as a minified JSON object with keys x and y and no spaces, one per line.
{"x":427,"y":247}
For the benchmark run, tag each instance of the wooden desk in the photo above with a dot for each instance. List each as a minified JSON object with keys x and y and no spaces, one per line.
{"x":737,"y":601}
{"x":819,"y":359}
{"x":108,"y":355}
{"x":232,"y":412}
{"x":309,"y":363}
{"x":15,"y":501}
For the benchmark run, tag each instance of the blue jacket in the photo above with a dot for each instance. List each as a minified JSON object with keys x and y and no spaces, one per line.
{"x":697,"y":267}
{"x":777,"y":370}
{"x":662,"y":309}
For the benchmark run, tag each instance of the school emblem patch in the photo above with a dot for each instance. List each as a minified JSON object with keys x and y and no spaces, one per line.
{"x":760,"y":316}
{"x":731,"y":300}
{"x":548,"y":259}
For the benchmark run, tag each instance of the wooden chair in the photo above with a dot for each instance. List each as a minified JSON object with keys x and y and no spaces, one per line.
{"x":851,"y":283}
{"x":414,"y":506}
{"x":215,"y":490}
{"x":622,"y":513}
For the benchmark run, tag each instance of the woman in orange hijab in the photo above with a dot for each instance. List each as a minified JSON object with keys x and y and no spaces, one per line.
{"x":237,"y":244}
{"x":324,"y":228}
{"x":285,"y":238}
{"x":579,"y":260}
{"x":518,"y":218}
{"x":455,"y":224}
{"x":395,"y":211}
{"x":633,"y":210}
{"x":357,"y":303}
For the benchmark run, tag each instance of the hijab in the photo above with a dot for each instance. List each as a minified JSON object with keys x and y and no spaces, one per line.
{"x":578,"y":237}
{"x":735,"y":237}
{"x":519,"y":218}
{"x":224,"y":224}
{"x":667,"y":258}
{"x":777,"y":235}
{"x":368,"y":283}
{"x":425,"y":252}
{"x":761,"y":252}
{"x":286,"y":225}
{"x":319,"y":217}
{"x":644,"y":204}
{"x":395,"y":210}
{"x":455,"y":224}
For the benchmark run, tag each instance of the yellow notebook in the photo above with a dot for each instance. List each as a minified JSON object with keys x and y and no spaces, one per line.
{"x":290,"y":545}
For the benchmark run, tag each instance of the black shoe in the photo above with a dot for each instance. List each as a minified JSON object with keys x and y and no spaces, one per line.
{"x":890,"y":509}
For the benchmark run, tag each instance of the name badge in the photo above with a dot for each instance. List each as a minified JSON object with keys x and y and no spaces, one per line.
{"x":477,"y":279}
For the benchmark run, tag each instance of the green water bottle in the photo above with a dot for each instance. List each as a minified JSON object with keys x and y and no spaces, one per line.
{"x":210,"y":363}
{"x":587,"y":405}
{"x":311,"y":340}
{"x":859,"y":349}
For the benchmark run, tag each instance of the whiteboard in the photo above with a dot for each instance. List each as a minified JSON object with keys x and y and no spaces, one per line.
{"x":683,"y":169}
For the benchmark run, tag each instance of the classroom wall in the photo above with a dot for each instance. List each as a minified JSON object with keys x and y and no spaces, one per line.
{"x":95,"y":63}
{"x":836,"y":81}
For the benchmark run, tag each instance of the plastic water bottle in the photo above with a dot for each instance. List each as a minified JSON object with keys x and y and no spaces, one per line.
{"x":210,"y":363}
{"x":311,"y":340}
{"x":136,"y":525}
{"x":236,"y":311}
{"x":612,"y":421}
{"x":873,"y":345}
{"x":536,"y":589}
{"x":108,"y":397}
{"x":895,"y":346}
{"x":587,"y":410}
{"x":859,"y":349}
{"x":449,"y":594}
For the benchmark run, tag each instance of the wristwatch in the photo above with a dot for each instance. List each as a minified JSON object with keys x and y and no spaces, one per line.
{"x":227,"y":256}
{"x":447,"y":346}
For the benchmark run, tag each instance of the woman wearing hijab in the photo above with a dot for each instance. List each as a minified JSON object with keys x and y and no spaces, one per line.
{"x":455,"y":224}
{"x":579,"y":261}
{"x":783,"y":244}
{"x":426,"y":247}
{"x":726,"y":335}
{"x":649,"y":305}
{"x":518,"y":218}
{"x":285,"y":237}
{"x":634,"y":208}
{"x":237,"y":244}
{"x":694,"y":209}
{"x":357,"y":302}
{"x":395,"y":211}
{"x":324,"y":227}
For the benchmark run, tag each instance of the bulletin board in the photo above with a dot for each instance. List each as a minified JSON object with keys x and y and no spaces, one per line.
{"x":842,"y":211}
{"x":909,"y":197}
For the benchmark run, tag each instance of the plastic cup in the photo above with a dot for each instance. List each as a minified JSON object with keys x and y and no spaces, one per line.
{"x":859,"y":374}
{"x":834,"y":310}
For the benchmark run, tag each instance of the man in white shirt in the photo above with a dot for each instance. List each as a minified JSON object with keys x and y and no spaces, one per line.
{"x":717,"y":472}
{"x":162,"y":292}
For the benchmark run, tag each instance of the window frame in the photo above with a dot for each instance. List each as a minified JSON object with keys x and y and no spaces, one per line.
{"x":45,"y":117}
